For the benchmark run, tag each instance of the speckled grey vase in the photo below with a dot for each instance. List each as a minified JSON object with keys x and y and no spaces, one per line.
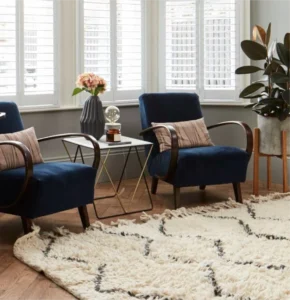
{"x":92,"y":117}
{"x":270,"y":135}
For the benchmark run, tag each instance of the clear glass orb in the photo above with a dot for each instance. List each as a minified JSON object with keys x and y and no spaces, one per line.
{"x":112,"y":114}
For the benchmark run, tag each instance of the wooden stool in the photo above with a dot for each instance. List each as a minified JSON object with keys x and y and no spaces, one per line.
{"x":257,"y":156}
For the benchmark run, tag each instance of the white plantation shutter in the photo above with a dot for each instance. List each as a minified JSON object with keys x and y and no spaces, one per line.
{"x":129,"y":45}
{"x":113,"y":34}
{"x":27,"y":52}
{"x":38,"y":47}
{"x":7,"y":48}
{"x":201,"y":47}
{"x":220,"y":48}
{"x":97,"y":39}
{"x":180,"y":45}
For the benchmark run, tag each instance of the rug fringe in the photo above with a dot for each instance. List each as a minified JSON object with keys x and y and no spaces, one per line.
{"x":183,"y":212}
{"x":169,"y":214}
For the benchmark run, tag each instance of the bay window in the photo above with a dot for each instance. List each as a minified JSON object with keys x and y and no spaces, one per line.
{"x":136,"y":45}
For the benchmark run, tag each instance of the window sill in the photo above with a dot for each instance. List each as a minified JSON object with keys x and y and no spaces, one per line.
{"x":127,"y":104}
{"x":225,"y":103}
{"x":71,"y":108}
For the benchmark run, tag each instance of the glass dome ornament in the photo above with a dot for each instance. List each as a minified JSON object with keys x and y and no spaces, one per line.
{"x":113,"y":129}
{"x":112,"y":114}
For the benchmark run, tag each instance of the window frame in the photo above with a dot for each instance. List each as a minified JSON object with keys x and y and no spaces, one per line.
{"x":37,"y":101}
{"x":114,"y":97}
{"x":242,"y":28}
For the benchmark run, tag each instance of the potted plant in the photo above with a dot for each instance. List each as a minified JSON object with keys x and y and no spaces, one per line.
{"x":271,"y":93}
{"x":92,"y":118}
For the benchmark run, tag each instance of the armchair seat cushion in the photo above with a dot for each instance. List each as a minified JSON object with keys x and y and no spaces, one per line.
{"x":203,"y":166}
{"x":54,"y":187}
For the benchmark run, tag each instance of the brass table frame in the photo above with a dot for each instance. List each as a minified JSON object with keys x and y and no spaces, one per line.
{"x":116,"y":189}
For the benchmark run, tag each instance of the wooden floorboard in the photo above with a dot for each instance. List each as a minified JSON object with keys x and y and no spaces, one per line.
{"x":18,"y":282}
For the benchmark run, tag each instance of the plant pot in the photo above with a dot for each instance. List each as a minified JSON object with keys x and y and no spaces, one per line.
{"x":270,"y":135}
{"x":92,"y":118}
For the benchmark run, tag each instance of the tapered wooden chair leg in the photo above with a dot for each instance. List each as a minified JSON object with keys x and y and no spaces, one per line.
{"x":269,"y":172}
{"x":154,"y":185}
{"x":256,"y":162}
{"x":176,"y":192}
{"x":238,"y":192}
{"x":84,"y":216}
{"x":26,"y":224}
{"x":285,"y":161}
{"x":202,"y":187}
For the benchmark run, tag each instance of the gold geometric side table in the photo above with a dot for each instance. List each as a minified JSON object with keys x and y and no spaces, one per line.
{"x":104,"y":146}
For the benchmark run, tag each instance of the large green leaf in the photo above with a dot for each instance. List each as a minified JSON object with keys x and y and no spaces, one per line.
{"x":275,"y":93}
{"x":77,"y":91}
{"x":272,"y":101}
{"x":284,"y":54}
{"x":274,"y":67}
{"x":248,"y":70}
{"x":268,"y":35}
{"x":253,"y":96}
{"x":282,"y":85}
{"x":250,"y":105}
{"x":287,"y":41}
{"x":251,"y":89}
{"x":254,"y":50}
{"x":280,"y":78}
{"x":259,"y":32}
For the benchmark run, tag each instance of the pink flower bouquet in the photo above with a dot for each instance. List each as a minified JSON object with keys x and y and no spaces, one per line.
{"x":90,"y":83}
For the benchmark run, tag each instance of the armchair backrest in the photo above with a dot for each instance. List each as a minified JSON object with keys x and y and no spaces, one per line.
{"x":12,"y":122}
{"x":166,"y":108}
{"x":169,"y":107}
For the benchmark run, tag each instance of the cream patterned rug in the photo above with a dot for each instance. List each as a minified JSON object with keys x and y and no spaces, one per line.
{"x":228,"y":251}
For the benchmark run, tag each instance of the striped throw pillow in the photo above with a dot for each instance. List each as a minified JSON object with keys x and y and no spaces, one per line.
{"x":11,"y":157}
{"x":190,"y":134}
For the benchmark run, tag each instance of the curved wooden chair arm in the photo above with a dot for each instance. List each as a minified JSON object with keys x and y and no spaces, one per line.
{"x":174,"y":149}
{"x":96,"y":146}
{"x":247,"y":129}
{"x":28,"y":168}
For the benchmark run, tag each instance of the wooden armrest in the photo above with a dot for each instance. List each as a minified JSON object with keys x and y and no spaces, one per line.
{"x":247,"y":129}
{"x":86,"y":136}
{"x":28,"y":168}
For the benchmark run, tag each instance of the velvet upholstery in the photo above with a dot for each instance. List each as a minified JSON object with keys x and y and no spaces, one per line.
{"x":203,"y":166}
{"x":198,"y":166}
{"x":167,"y":108}
{"x":12,"y":122}
{"x":54,"y":187}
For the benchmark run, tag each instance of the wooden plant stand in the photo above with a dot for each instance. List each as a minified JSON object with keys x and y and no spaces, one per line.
{"x":257,"y":156}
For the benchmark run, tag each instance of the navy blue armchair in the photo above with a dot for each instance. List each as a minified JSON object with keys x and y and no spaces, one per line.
{"x":42,"y":189}
{"x":200,"y":166}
